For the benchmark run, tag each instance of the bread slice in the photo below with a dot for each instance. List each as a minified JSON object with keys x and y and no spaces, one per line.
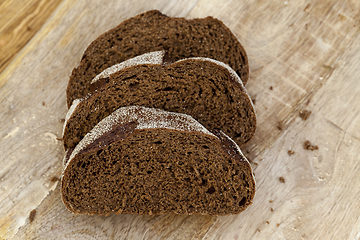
{"x":153,"y":31}
{"x":147,"y":161}
{"x":208,"y":90}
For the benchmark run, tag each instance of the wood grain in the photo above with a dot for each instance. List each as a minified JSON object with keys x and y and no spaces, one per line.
{"x":303,"y":55}
{"x":19,"y":22}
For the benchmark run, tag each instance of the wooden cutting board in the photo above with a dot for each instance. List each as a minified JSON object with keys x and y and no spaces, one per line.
{"x":304,"y":55}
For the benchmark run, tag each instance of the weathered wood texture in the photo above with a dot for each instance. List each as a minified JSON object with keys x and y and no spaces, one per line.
{"x":303,"y":55}
{"x":19,"y":22}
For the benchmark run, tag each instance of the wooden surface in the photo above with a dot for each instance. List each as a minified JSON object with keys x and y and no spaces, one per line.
{"x":302,"y":54}
{"x":19,"y":21}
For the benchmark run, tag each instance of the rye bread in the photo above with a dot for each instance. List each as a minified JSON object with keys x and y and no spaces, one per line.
{"x":147,"y":161}
{"x":153,"y":31}
{"x":208,"y":90}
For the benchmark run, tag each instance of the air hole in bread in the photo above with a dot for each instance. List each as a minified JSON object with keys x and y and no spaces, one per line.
{"x":210,"y":190}
{"x":242,"y":202}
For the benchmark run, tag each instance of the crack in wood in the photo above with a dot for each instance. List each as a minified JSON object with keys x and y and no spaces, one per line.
{"x":340,"y":129}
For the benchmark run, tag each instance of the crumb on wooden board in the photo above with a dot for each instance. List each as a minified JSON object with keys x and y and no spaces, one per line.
{"x":304,"y":114}
{"x":309,"y":146}
{"x":32,"y":215}
{"x":54,"y":179}
{"x":282,"y":179}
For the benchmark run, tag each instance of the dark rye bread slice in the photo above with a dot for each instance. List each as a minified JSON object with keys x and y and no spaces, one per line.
{"x":147,"y":161}
{"x":153,"y":31}
{"x":208,"y":90}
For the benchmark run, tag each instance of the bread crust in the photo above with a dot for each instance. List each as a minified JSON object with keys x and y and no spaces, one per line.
{"x":153,"y":31}
{"x":154,"y":127}
{"x":238,"y":121}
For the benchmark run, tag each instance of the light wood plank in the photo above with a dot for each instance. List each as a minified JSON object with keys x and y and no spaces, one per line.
{"x":19,"y":22}
{"x":293,"y":48}
{"x":319,"y":199}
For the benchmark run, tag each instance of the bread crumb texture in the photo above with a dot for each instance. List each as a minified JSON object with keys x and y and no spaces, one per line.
{"x":154,"y":31}
{"x":156,"y":162}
